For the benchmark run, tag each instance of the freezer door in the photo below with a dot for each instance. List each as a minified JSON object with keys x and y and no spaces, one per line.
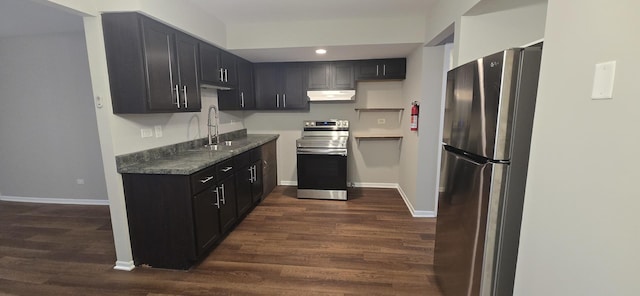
{"x":479,"y":105}
{"x":461,"y":229}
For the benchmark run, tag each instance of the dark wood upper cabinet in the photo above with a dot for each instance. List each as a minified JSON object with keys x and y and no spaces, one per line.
{"x":384,"y":69}
{"x":187,"y":53}
{"x":243,"y":96}
{"x":331,"y":76}
{"x":281,"y":86}
{"x":152,"y":67}
{"x":217,"y":67}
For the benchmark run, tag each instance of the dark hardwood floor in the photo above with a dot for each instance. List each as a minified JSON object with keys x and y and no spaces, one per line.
{"x":369,"y":245}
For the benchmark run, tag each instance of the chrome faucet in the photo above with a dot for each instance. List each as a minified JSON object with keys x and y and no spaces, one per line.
{"x":209,"y":125}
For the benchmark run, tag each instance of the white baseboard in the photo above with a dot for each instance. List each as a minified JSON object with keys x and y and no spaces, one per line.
{"x":124,"y":265}
{"x":62,"y":201}
{"x":375,"y":185}
{"x":414,"y":213}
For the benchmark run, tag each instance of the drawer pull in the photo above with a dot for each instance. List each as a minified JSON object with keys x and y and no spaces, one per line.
{"x":207,"y":179}
{"x":227,"y":169}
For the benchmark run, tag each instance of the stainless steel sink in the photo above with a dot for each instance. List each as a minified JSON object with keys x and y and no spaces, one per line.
{"x":225,"y":146}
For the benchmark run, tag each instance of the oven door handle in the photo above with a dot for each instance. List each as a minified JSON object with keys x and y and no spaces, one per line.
{"x":316,"y":151}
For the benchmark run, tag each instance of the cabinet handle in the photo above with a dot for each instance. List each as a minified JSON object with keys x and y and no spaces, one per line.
{"x":207,"y":179}
{"x":224,"y":202}
{"x":217,"y":203}
{"x":284,"y":100}
{"x":251,"y":174}
{"x":184,"y":90}
{"x":255,"y":174}
{"x":226,"y":169}
{"x":265,"y":164}
{"x":384,"y":70}
{"x":377,"y":72}
{"x":177,"y":96}
{"x":226,"y":75}
{"x":221,"y":75}
{"x":242,"y":99}
{"x":277,"y":100}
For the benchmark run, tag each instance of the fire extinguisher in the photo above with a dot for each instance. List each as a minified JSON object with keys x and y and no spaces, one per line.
{"x":415,"y":110}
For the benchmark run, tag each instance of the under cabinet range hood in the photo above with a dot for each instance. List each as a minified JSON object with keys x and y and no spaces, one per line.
{"x":331,"y":95}
{"x":214,"y":87}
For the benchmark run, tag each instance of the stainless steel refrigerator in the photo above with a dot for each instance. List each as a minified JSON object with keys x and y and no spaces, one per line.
{"x":487,"y":134}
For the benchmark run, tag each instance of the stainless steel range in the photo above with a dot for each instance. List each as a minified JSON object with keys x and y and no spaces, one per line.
{"x":322,"y":159}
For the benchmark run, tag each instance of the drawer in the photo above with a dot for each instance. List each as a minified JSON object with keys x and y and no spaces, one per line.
{"x":225,"y":169}
{"x":203,"y":179}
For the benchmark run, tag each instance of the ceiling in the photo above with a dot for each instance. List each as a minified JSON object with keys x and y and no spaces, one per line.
{"x":23,"y":17}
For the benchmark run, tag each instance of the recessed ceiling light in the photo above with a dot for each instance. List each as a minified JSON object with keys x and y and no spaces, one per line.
{"x":321,"y":51}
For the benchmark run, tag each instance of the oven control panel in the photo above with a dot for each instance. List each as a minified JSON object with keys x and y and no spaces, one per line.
{"x":327,"y":124}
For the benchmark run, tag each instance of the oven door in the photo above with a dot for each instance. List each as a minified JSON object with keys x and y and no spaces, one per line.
{"x":322,"y":169}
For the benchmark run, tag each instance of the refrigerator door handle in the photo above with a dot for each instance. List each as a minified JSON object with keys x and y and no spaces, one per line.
{"x":475,"y":159}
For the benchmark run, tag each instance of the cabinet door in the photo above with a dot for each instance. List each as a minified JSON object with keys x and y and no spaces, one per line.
{"x":267,"y":81}
{"x":294,"y":94}
{"x":394,"y":68}
{"x":343,"y":76}
{"x":228,"y":64}
{"x":189,"y":89}
{"x":161,"y":66}
{"x":256,"y":184}
{"x":367,"y":69}
{"x":227,"y":194}
{"x":243,"y":189}
{"x":319,"y":76}
{"x":269,"y":167}
{"x":205,"y":216}
{"x":242,"y":97}
{"x":209,"y":67}
{"x":245,"y":84}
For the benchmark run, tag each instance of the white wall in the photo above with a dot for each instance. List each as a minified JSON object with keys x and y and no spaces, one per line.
{"x":326,"y":33}
{"x":434,"y":66}
{"x":484,"y":34}
{"x":371,"y":162}
{"x":443,"y":14}
{"x":580,"y":224}
{"x":413,"y":90}
{"x":48,"y":132}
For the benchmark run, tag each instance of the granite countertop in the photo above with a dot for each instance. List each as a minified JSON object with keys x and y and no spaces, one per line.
{"x":188,"y":157}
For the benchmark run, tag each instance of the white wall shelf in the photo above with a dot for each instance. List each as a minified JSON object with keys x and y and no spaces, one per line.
{"x":399,"y":110}
{"x":377,"y":137}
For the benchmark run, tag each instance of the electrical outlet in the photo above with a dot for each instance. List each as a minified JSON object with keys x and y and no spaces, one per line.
{"x":158,"y":129}
{"x":146,"y":133}
{"x":382,"y":121}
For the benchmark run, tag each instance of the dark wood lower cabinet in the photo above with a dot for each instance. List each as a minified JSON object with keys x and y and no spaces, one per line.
{"x":269,"y":167}
{"x":243,"y":190}
{"x":175,"y":220}
{"x":206,"y":219}
{"x":227,"y":193}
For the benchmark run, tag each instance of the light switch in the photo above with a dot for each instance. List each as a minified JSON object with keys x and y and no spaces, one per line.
{"x":603,"y":81}
{"x":158,"y":129}
{"x":146,"y":133}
